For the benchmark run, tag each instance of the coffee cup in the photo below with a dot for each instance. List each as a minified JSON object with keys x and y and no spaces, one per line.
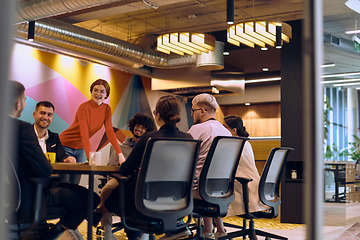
{"x":95,"y":158}
{"x":51,"y":156}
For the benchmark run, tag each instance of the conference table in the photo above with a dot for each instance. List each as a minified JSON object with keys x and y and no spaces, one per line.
{"x":91,"y":170}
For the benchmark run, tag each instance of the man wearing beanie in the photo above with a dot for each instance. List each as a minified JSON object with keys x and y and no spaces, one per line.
{"x":206,"y":128}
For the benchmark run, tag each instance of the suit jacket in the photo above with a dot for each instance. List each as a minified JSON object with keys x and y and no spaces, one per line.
{"x":29,"y":161}
{"x":53,"y":144}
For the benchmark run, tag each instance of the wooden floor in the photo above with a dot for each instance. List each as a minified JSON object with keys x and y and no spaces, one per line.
{"x":341,"y":221}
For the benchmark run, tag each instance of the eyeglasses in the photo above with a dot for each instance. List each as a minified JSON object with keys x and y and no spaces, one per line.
{"x":193,"y":110}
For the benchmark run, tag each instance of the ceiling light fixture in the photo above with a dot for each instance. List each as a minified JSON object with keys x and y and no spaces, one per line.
{"x":184,"y":42}
{"x":263,"y":80}
{"x":264,"y":48}
{"x":226,"y":53}
{"x":279,"y":40}
{"x":265,"y":69}
{"x":215,"y":90}
{"x":353,"y":5}
{"x":353,"y":31}
{"x":31,"y":31}
{"x":259,"y":33}
{"x":346,"y":84}
{"x":247,"y":104}
{"x":230,"y":11}
{"x":341,"y":81}
{"x":340,"y":75}
{"x":328,"y":65}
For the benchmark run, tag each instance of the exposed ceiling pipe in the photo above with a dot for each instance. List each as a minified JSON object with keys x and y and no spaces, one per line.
{"x":38,"y":9}
{"x":79,"y":37}
{"x":82,"y":54}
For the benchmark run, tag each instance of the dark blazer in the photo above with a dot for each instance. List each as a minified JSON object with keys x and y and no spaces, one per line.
{"x":29,"y":161}
{"x":53,"y":144}
{"x":133,"y":162}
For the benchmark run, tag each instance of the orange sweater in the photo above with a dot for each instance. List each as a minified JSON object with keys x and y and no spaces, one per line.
{"x":89,"y":119}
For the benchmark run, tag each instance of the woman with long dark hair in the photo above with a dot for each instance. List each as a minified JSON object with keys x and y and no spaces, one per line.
{"x":246,"y":169}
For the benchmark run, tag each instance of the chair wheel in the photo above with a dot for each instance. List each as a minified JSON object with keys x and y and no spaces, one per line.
{"x":267,"y":238}
{"x":99,"y":233}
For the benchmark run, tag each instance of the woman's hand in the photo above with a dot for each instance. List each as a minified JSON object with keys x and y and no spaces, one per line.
{"x":70,"y":159}
{"x":121,"y":158}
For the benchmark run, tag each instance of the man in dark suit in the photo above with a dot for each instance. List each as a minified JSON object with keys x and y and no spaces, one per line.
{"x":49,"y":141}
{"x":30,"y":162}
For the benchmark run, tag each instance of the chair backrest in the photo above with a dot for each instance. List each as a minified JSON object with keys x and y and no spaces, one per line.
{"x":269,"y":185}
{"x":216,"y":182}
{"x":165,"y":180}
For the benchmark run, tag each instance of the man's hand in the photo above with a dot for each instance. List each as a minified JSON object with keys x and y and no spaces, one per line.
{"x":121,"y":158}
{"x":70,"y":159}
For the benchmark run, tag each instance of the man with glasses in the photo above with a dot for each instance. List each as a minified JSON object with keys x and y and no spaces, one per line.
{"x":206,"y":128}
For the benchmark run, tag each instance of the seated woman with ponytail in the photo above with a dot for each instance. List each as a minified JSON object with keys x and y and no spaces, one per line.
{"x":167,"y":114}
{"x":246,"y":169}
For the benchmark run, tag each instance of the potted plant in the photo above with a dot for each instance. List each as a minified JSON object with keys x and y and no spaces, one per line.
{"x":353,"y":151}
{"x":330,"y":152}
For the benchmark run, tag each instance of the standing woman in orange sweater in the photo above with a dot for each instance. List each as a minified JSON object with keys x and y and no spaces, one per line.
{"x":89,"y":119}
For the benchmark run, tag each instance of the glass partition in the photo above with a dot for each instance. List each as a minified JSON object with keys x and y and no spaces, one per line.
{"x":341,"y":81}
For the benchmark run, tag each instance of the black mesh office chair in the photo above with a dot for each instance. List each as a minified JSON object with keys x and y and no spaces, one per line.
{"x":216,"y":181}
{"x":269,"y":187}
{"x":24,"y":228}
{"x":163,"y":193}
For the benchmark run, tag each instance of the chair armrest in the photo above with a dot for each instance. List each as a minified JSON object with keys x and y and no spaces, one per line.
{"x":244,"y":182}
{"x":122,"y":179}
{"x":119,"y":177}
{"x":40,"y":181}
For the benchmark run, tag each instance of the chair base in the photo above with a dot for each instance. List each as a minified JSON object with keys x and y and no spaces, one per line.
{"x":115,"y":228}
{"x":251,"y":232}
{"x":199,"y":231}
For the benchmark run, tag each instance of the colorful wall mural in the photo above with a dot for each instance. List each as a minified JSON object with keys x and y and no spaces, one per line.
{"x":66,"y":81}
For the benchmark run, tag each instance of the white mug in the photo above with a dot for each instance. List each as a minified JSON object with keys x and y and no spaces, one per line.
{"x":95,"y":158}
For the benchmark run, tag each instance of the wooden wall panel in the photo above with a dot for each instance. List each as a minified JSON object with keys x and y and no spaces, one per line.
{"x":260,"y":120}
{"x":262,"y":148}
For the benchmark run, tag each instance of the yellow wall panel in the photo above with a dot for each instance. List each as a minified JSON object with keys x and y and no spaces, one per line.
{"x":119,"y":80}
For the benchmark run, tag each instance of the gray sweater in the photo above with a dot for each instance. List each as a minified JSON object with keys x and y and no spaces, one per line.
{"x":126,"y":148}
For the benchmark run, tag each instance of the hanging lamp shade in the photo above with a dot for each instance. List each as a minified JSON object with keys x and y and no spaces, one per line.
{"x":185,"y":43}
{"x":258,"y":33}
{"x":213,"y":60}
{"x":31,"y":31}
{"x":230,"y":11}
